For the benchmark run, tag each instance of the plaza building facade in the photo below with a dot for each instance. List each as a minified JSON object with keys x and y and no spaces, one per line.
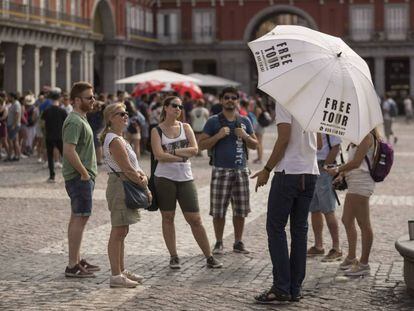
{"x":56,"y":42}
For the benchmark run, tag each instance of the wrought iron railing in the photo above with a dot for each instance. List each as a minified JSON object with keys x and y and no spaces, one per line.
{"x":13,"y":10}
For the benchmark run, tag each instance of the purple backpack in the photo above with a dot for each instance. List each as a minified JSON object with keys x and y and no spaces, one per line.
{"x":383,"y":159}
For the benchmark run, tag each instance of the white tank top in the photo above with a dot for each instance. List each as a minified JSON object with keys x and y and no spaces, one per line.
{"x":177,"y":171}
{"x":364,"y":166}
{"x":110,"y":162}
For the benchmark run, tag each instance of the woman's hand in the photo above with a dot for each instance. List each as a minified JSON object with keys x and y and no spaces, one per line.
{"x":333,"y":171}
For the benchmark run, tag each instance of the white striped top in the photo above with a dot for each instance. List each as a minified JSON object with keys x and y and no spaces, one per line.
{"x":109,"y":161}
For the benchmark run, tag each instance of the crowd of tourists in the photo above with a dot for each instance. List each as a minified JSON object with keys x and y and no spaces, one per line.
{"x":86,"y":132}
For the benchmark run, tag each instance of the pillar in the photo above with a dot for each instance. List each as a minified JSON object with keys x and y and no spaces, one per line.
{"x":13,"y":71}
{"x":48,"y":67}
{"x":31,"y":69}
{"x":380,"y":75}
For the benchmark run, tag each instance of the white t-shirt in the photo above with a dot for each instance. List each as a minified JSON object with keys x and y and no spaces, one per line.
{"x":110,"y":162}
{"x":322,"y":154}
{"x":300,"y":154}
{"x":199,"y":117}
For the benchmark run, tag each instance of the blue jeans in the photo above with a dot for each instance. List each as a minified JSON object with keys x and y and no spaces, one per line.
{"x":290,"y":195}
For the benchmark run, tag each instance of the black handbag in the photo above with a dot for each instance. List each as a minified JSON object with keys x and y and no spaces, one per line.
{"x":340,"y":184}
{"x":135,"y":196}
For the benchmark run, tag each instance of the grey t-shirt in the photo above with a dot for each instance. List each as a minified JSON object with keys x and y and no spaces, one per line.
{"x":15,"y":107}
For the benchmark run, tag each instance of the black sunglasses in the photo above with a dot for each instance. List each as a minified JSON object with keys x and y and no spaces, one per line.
{"x":174,"y":105}
{"x":122,"y":114}
{"x":230,"y":97}
{"x":89,"y":98}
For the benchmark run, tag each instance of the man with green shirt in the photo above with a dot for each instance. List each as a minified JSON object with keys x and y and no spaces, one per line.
{"x":79,"y":171}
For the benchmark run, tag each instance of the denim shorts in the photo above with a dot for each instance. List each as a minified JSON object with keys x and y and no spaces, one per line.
{"x":80,"y":194}
{"x":324,"y":197}
{"x":13,"y":132}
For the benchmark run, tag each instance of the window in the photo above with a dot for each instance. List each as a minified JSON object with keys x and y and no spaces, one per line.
{"x":168,"y":26}
{"x":203,"y":26}
{"x":141,"y":19}
{"x":149,"y":21}
{"x":396,"y":21}
{"x":362,"y":22}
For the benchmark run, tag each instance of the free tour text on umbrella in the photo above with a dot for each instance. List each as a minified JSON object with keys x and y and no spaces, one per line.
{"x":336,"y":112}
{"x":273,"y":56}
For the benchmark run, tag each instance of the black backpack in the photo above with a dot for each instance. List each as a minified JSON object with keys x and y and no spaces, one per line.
{"x":222,"y":121}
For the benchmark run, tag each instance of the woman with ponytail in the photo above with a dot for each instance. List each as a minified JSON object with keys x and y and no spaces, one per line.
{"x":120,"y":158}
{"x":174,"y":179}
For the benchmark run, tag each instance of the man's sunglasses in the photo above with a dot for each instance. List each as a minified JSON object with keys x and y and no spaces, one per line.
{"x":230,"y":97}
{"x":122,"y":114}
{"x":181,"y":107}
{"x":90,"y":98}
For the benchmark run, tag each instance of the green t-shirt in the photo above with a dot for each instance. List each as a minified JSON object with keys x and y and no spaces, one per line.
{"x":77,"y":131}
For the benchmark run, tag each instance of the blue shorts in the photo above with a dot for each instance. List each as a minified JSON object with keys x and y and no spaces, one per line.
{"x":80,"y":194}
{"x":13,"y":132}
{"x":323,"y":200}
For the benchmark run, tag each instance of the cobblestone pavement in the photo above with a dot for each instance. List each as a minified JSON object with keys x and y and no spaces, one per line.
{"x":33,"y":250}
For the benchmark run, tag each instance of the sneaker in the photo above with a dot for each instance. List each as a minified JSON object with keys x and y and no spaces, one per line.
{"x":7,"y":159}
{"x":15,"y":159}
{"x":333,"y":255}
{"x":39,"y":160}
{"x":121,"y":281}
{"x":218,"y":248}
{"x":78,"y":272}
{"x":45,"y":165}
{"x":132,"y":276}
{"x":213,"y":263}
{"x":23,"y":156}
{"x":51,"y":180}
{"x":89,"y":266}
{"x":175,"y":262}
{"x":271,"y":295}
{"x":358,"y":269}
{"x":348,"y":263}
{"x":238,"y":247}
{"x":313,"y":252}
{"x":257,"y":161}
{"x":58,"y":165}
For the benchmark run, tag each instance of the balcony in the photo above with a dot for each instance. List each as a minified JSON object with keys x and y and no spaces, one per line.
{"x":370,"y":35}
{"x":17,"y":11}
{"x":187,"y":38}
{"x":142,"y":35}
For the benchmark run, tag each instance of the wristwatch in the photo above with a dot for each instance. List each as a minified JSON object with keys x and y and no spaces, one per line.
{"x":268,"y":169}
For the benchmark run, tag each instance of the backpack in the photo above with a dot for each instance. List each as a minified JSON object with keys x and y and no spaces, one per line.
{"x":222,"y":121}
{"x":383,"y":160}
{"x":151,"y":182}
{"x":30,"y":117}
{"x":264,"y":119}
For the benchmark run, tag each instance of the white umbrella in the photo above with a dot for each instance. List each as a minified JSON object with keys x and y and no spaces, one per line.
{"x":213,"y":81}
{"x":320,"y":80}
{"x":157,"y":75}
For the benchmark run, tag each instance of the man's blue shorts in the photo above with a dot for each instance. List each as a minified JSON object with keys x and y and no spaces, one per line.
{"x":324,"y":197}
{"x":13,"y":132}
{"x":80,"y":194}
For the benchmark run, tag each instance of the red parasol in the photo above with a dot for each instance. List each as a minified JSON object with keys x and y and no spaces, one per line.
{"x":147,"y":87}
{"x":183,"y":87}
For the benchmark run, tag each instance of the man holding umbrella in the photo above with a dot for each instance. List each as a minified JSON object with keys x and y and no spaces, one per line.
{"x":294,"y":161}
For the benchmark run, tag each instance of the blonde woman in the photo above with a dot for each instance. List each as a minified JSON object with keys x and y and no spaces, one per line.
{"x":174,"y":179}
{"x":120,"y":157}
{"x":356,"y":207}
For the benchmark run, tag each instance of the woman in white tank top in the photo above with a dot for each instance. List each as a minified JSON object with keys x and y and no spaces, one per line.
{"x":356,"y":207}
{"x":174,"y":179}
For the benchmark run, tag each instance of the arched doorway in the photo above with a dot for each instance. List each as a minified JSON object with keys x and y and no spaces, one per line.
{"x":103,"y":30}
{"x":269,"y":18}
